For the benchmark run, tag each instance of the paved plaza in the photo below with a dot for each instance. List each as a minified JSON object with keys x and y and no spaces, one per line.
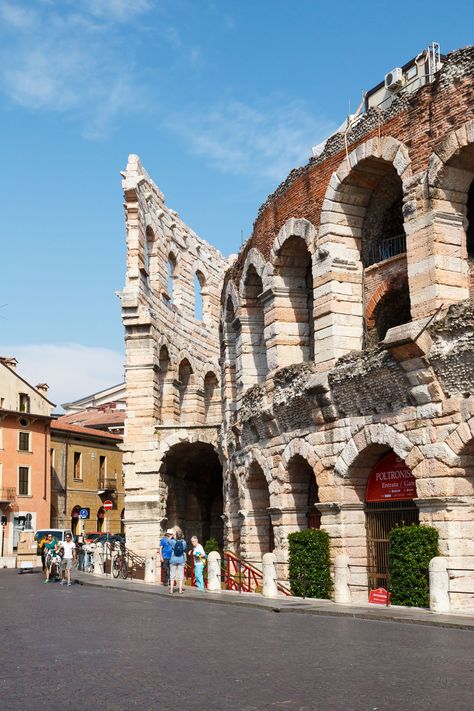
{"x":88,"y":648}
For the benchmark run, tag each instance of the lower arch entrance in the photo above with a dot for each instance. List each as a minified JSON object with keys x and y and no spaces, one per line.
{"x":193,"y":475}
{"x":391,"y":488}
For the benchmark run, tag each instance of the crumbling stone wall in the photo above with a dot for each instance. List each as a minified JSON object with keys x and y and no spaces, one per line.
{"x":172,"y":358}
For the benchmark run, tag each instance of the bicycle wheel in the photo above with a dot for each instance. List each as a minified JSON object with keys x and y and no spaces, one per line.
{"x":124,"y":570}
{"x":116,"y":566}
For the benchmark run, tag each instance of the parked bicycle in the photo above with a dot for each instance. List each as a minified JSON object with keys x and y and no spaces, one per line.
{"x":120,"y":565}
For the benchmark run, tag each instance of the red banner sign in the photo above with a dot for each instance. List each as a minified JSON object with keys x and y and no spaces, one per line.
{"x":379,"y":596}
{"x":390,"y":480}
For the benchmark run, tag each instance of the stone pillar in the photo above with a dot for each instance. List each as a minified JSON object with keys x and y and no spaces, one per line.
{"x":342,"y":591}
{"x":98,"y":559}
{"x":453,"y":517}
{"x":354,"y":543}
{"x":439,"y":585}
{"x":269,"y":575}
{"x":286,"y":326}
{"x":214,"y":572}
{"x":150,"y":569}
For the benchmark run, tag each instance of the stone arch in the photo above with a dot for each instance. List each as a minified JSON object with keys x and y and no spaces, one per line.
{"x":230,"y":293}
{"x":192,"y":486}
{"x":210,"y":388}
{"x":257,"y":536}
{"x":294,"y":227}
{"x":299,"y":470}
{"x":255,"y":455}
{"x":360,"y":225}
{"x":252,"y":322}
{"x":388,"y":306}
{"x":291,"y":298}
{"x":381,"y":435}
{"x":450,"y":181}
{"x":461,"y":437}
{"x":254,"y":258}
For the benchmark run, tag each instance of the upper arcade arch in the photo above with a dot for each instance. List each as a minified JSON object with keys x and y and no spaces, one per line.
{"x":361,"y":227}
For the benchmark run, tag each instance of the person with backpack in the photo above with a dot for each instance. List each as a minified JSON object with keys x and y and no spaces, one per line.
{"x":177,"y":562}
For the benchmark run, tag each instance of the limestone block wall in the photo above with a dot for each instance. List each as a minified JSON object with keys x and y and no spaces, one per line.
{"x":172,"y":352}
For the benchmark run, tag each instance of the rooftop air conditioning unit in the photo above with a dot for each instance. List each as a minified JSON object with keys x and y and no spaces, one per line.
{"x":394,"y":79}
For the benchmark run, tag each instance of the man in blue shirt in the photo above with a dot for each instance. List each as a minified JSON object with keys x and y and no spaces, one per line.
{"x":166,"y":550}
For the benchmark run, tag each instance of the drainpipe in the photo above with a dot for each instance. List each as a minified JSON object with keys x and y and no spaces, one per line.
{"x":65,"y":480}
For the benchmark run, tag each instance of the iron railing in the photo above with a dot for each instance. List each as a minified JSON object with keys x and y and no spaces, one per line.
{"x":107,"y":484}
{"x":385,"y":248}
{"x":135,"y":563}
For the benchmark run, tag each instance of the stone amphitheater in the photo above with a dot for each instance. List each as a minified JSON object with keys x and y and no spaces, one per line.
{"x":324,"y":375}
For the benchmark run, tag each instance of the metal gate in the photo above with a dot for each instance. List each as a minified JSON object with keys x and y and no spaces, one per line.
{"x":380,"y":518}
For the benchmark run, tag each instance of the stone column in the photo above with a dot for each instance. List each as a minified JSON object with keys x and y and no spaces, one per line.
{"x":269,"y":576}
{"x":214,"y":572}
{"x":287,"y":326}
{"x":98,"y":559}
{"x":453,"y":517}
{"x":342,"y":591}
{"x":439,"y":585}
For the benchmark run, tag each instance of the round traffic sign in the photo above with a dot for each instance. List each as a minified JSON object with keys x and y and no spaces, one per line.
{"x":84,"y":513}
{"x":108,"y":505}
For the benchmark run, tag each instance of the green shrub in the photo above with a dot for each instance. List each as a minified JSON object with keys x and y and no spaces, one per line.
{"x":309,"y":564}
{"x":410,"y":552}
{"x":211,"y":544}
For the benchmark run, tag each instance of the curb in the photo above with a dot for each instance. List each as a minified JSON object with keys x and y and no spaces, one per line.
{"x":356,"y":615}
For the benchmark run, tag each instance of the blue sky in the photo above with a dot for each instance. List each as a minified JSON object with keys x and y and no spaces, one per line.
{"x":219,"y":98}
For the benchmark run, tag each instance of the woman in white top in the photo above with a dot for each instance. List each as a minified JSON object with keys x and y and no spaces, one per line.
{"x":199,"y":558}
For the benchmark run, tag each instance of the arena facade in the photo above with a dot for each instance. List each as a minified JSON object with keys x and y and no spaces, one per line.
{"x":324,"y":375}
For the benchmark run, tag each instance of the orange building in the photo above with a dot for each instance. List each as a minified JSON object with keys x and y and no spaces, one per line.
{"x":25,"y":482}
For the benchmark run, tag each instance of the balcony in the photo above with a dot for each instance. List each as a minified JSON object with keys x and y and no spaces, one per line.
{"x":7,"y":495}
{"x":386,"y":248}
{"x":107,"y":484}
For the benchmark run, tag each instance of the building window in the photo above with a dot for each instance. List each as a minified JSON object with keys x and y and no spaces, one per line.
{"x":102,"y":468}
{"x":24,"y":402}
{"x":23,"y":481}
{"x":24,"y":441}
{"x":77,"y":465}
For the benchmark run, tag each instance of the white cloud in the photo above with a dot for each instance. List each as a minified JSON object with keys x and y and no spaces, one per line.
{"x":70,"y":369}
{"x":267,"y":140}
{"x":64,"y":59}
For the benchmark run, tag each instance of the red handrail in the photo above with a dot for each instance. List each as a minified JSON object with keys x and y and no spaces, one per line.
{"x":242,"y":576}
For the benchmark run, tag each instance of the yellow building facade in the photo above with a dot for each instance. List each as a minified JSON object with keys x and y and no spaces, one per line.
{"x":86,"y":474}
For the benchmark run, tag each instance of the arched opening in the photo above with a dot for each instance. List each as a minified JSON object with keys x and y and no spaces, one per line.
{"x":199,"y":285}
{"x":453,"y":191}
{"x":303,"y":493}
{"x":193,"y":476}
{"x":101,"y":519}
{"x":254,"y":352}
{"x":171,"y":277}
{"x":258,"y":536}
{"x":294,"y":297}
{"x":229,"y":354}
{"x":75,"y":521}
{"x":234,"y":521}
{"x":393,"y":309}
{"x":187,"y":404}
{"x":389,"y":502}
{"x":122,"y":522}
{"x":150,"y":251}
{"x":211,"y":398}
{"x":166,"y":387}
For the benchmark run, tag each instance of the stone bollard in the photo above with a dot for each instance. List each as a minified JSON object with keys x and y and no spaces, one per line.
{"x":342,"y":591}
{"x":214,"y":572}
{"x":439,"y":585}
{"x":269,"y":575}
{"x":98,"y":559}
{"x":150,"y":569}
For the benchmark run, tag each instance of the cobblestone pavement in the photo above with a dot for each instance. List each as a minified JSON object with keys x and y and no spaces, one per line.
{"x":85,"y":648}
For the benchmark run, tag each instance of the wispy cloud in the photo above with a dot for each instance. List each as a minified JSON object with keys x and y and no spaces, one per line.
{"x":265,"y":140}
{"x":70,"y":369}
{"x":64,"y":59}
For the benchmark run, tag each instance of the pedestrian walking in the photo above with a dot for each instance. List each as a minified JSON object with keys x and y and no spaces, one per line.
{"x":177,"y":562}
{"x":166,"y":549}
{"x":199,"y":557}
{"x":50,"y":548}
{"x":69,"y":548}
